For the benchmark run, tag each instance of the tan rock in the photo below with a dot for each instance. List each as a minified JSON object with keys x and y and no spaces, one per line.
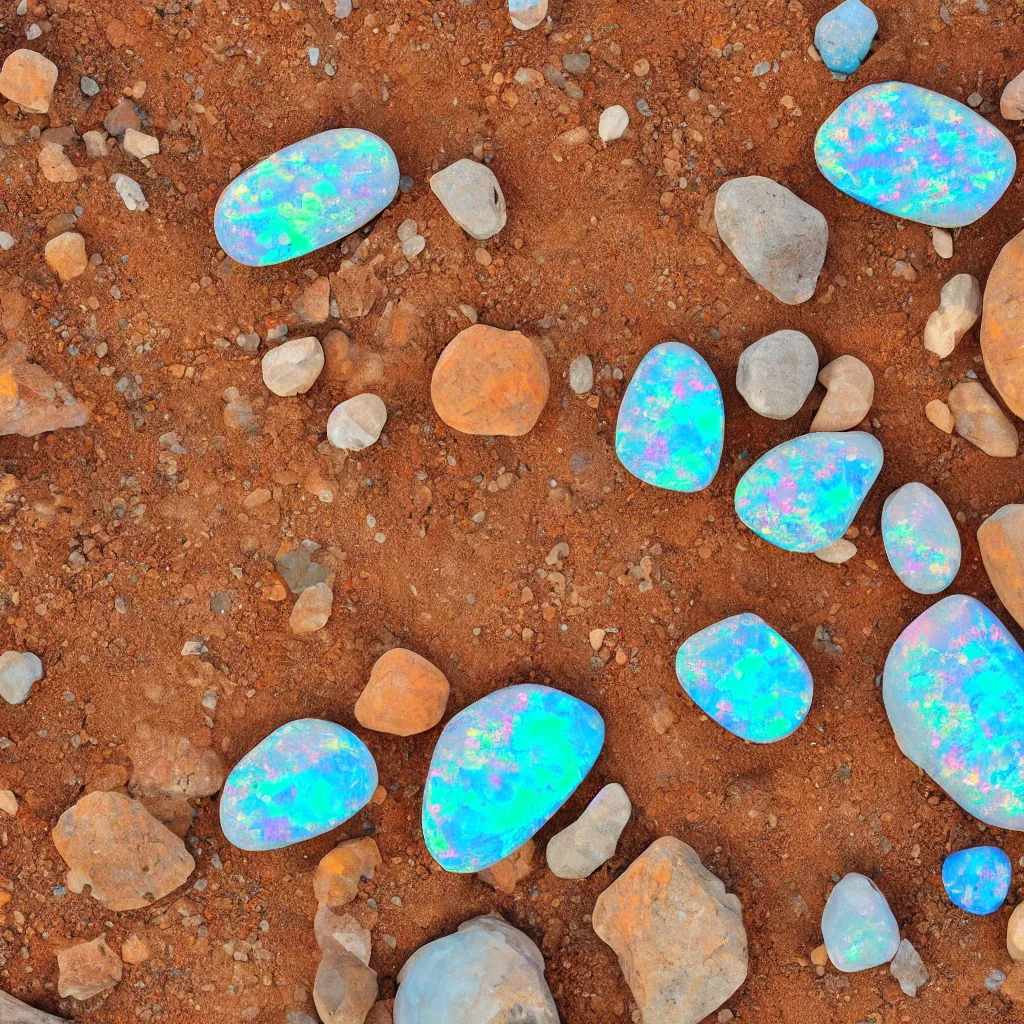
{"x":405,"y":695}
{"x":343,"y":930}
{"x":838,"y":552}
{"x":140,"y":145}
{"x":1015,"y":933}
{"x":313,"y":306}
{"x":1002,"y":325}
{"x":380,"y":1013}
{"x":312,"y":609}
{"x":978,"y":418}
{"x":28,"y":79}
{"x":959,"y":309}
{"x":87,"y":969}
{"x":511,"y":870}
{"x":135,"y":950}
{"x":339,"y":873}
{"x":344,"y":988}
{"x":167,"y":763}
{"x":175,"y":813}
{"x":66,"y":255}
{"x":8,"y":802}
{"x":55,"y":165}
{"x":95,"y":144}
{"x":490,"y":382}
{"x":939,"y":415}
{"x":402,"y":325}
{"x":591,"y":840}
{"x":1011,"y":103}
{"x":293,"y":367}
{"x":851,"y":390}
{"x":106,"y":778}
{"x":530,"y":15}
{"x":819,"y":956}
{"x":31,"y":401}
{"x":114,"y":845}
{"x":1001,"y":539}
{"x":356,"y":288}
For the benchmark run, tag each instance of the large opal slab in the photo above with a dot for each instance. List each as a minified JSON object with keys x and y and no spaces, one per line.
{"x":804,"y":493}
{"x":747,"y":677}
{"x":953,"y":688}
{"x":915,"y":154}
{"x":920,"y":538}
{"x":977,"y":880}
{"x":500,"y":770}
{"x":305,"y":196}
{"x":671,"y":423}
{"x":857,"y":925}
{"x":304,"y":779}
{"x":843,"y":36}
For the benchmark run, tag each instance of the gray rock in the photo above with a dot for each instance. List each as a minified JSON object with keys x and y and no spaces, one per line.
{"x":293,"y":367}
{"x":470,"y":193}
{"x":908,"y":968}
{"x":579,"y":850}
{"x":576,"y":63}
{"x":356,"y":423}
{"x":298,"y":570}
{"x":6,"y":241}
{"x":613,"y":123}
{"x":96,"y":146}
{"x":89,"y":86}
{"x":775,"y":374}
{"x":778,"y":238}
{"x":19,"y":670}
{"x":14,"y":1011}
{"x":959,"y":309}
{"x":130,"y":192}
{"x":995,"y":980}
{"x":581,"y":374}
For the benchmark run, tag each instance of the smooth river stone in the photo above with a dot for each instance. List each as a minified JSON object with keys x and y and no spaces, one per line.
{"x":953,"y":688}
{"x":857,"y":925}
{"x":843,"y":36}
{"x":305,"y":196}
{"x":747,"y":677}
{"x":977,"y":880}
{"x":920,"y":538}
{"x":301,"y":781}
{"x":501,"y":768}
{"x":671,"y":424}
{"x":915,"y":154}
{"x":804,"y":493}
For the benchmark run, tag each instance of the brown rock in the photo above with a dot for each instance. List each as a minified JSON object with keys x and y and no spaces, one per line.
{"x":938,"y":414}
{"x":1002,"y":325}
{"x":31,"y":401}
{"x":678,"y":935}
{"x":405,"y":695}
{"x":1001,"y":539}
{"x":55,"y":165}
{"x":356,"y":288}
{"x":313,"y":306}
{"x":106,"y":778}
{"x":1011,"y":103}
{"x":87,"y":969}
{"x":978,"y":418}
{"x":344,"y":988}
{"x":1015,"y":933}
{"x":169,"y":764}
{"x":28,"y":79}
{"x":509,"y":872}
{"x":380,"y":1013}
{"x":339,"y":873}
{"x":490,"y":382}
{"x":402,"y":325}
{"x":851,"y":390}
{"x":124,"y":116}
{"x":312,"y":609}
{"x":175,"y":813}
{"x":113,"y":844}
{"x":135,"y":950}
{"x":14,"y":1011}
{"x":66,"y":255}
{"x":1013,"y":987}
{"x":819,"y":955}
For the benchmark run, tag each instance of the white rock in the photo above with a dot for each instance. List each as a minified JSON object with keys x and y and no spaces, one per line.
{"x":412,"y":247}
{"x":293,"y":367}
{"x":356,"y":423}
{"x":613,"y":124}
{"x":407,"y":229}
{"x":908,"y":968}
{"x":140,"y":145}
{"x":775,"y":374}
{"x":96,"y":146}
{"x":343,"y":929}
{"x":130,"y":192}
{"x":942,"y":243}
{"x":18,"y":671}
{"x":959,"y":309}
{"x":579,"y":850}
{"x":470,"y":193}
{"x":527,"y":14}
{"x":837,"y":552}
{"x":581,"y":374}
{"x":6,"y":241}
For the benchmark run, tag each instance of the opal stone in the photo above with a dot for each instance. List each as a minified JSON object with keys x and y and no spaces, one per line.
{"x":915,"y":154}
{"x":843,"y":36}
{"x":953,"y":687}
{"x":977,"y":880}
{"x":747,"y":677}
{"x":857,"y":925}
{"x":920,"y":538}
{"x":804,"y":493}
{"x":305,"y":196}
{"x":304,"y":779}
{"x":500,"y":770}
{"x":671,"y":423}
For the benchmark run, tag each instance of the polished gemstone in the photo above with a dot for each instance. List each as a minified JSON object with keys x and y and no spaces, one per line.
{"x":977,"y":880}
{"x":843,"y":36}
{"x":954,"y":692}
{"x":304,"y":779}
{"x":857,"y":925}
{"x":500,"y":770}
{"x":804,"y":493}
{"x":671,"y":422}
{"x":920,"y":538}
{"x":747,"y":677}
{"x":305,"y":196}
{"x":915,"y":154}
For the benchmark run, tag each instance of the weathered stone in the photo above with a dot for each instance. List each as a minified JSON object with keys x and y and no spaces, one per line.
{"x":579,"y":850}
{"x":66,"y":255}
{"x":959,"y":309}
{"x":1011,"y":103}
{"x":613,"y":123}
{"x":313,"y":305}
{"x":140,"y":145}
{"x":344,"y":988}
{"x":405,"y":695}
{"x":908,"y":968}
{"x":938,"y":415}
{"x":356,"y":288}
{"x":87,"y":969}
{"x":135,"y":950}
{"x":1002,"y":325}
{"x":293,"y":367}
{"x":19,"y":672}
{"x":470,"y":192}
{"x":511,"y":870}
{"x":1001,"y":539}
{"x":339,"y":873}
{"x":838,"y":552}
{"x":851,"y":390}
{"x":124,"y":116}
{"x":28,"y":79}
{"x":1015,"y":933}
{"x":775,"y":374}
{"x":167,"y":763}
{"x":31,"y":401}
{"x":357,"y":423}
{"x":312,"y":610}
{"x":14,"y":1011}
{"x":978,"y":418}
{"x":55,"y":165}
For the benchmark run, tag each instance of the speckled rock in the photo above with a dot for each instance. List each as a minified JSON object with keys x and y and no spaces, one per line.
{"x":921,"y":539}
{"x":28,"y":79}
{"x":1002,"y":337}
{"x":167,"y":763}
{"x":1001,"y":539}
{"x":339,"y":872}
{"x":19,"y":672}
{"x":471,"y":194}
{"x":293,"y":367}
{"x":357,"y":422}
{"x":405,"y":695}
{"x":959,"y":309}
{"x":850,"y":391}
{"x":87,"y":969}
{"x":579,"y":850}
{"x":775,"y":374}
{"x":978,"y":418}
{"x":859,"y":929}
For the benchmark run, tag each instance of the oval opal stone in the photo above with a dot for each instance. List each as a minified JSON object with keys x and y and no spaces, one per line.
{"x":977,"y":880}
{"x":804,"y":493}
{"x":500,"y":770}
{"x":857,"y":925}
{"x":746,"y":677}
{"x":305,"y":196}
{"x":920,"y":538}
{"x":843,"y":36}
{"x":915,"y":154}
{"x":304,"y":779}
{"x":671,"y":424}
{"x":953,"y":688}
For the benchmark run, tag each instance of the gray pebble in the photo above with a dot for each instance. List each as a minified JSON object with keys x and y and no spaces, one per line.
{"x":644,"y":108}
{"x":18,"y":671}
{"x":908,"y":968}
{"x":775,"y":374}
{"x":995,"y":979}
{"x":581,"y":375}
{"x":89,"y":86}
{"x":761,"y":68}
{"x":576,"y":63}
{"x":470,"y":193}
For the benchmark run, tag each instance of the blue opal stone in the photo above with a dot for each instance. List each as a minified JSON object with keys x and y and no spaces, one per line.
{"x":920,"y":538}
{"x":747,"y":677}
{"x":977,"y":880}
{"x":671,"y":423}
{"x":843,"y":36}
{"x":804,"y":493}
{"x":953,"y":688}
{"x":857,"y":925}
{"x":915,"y":154}
{"x":304,"y":779}
{"x":305,"y":196}
{"x":500,"y":770}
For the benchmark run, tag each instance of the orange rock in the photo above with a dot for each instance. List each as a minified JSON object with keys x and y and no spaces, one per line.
{"x":508,"y":873}
{"x":169,"y":764}
{"x":312,"y":609}
{"x":314,"y":304}
{"x":339,"y":873}
{"x":402,"y":325}
{"x":66,"y":255}
{"x":28,"y":79}
{"x":135,"y":950}
{"x":87,"y":969}
{"x":405,"y":695}
{"x":1001,"y":539}
{"x":1013,"y":987}
{"x":1002,"y":324}
{"x":490,"y":382}
{"x":31,"y":401}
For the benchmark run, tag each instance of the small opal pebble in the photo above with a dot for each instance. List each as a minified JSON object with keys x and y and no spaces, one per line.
{"x":915,"y":154}
{"x":671,"y":423}
{"x":843,"y":36}
{"x":804,"y":493}
{"x":920,"y":538}
{"x":977,"y":880}
{"x":747,"y":677}
{"x":305,"y":196}
{"x":304,"y":779}
{"x":500,"y":770}
{"x":953,"y":687}
{"x":857,"y":925}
